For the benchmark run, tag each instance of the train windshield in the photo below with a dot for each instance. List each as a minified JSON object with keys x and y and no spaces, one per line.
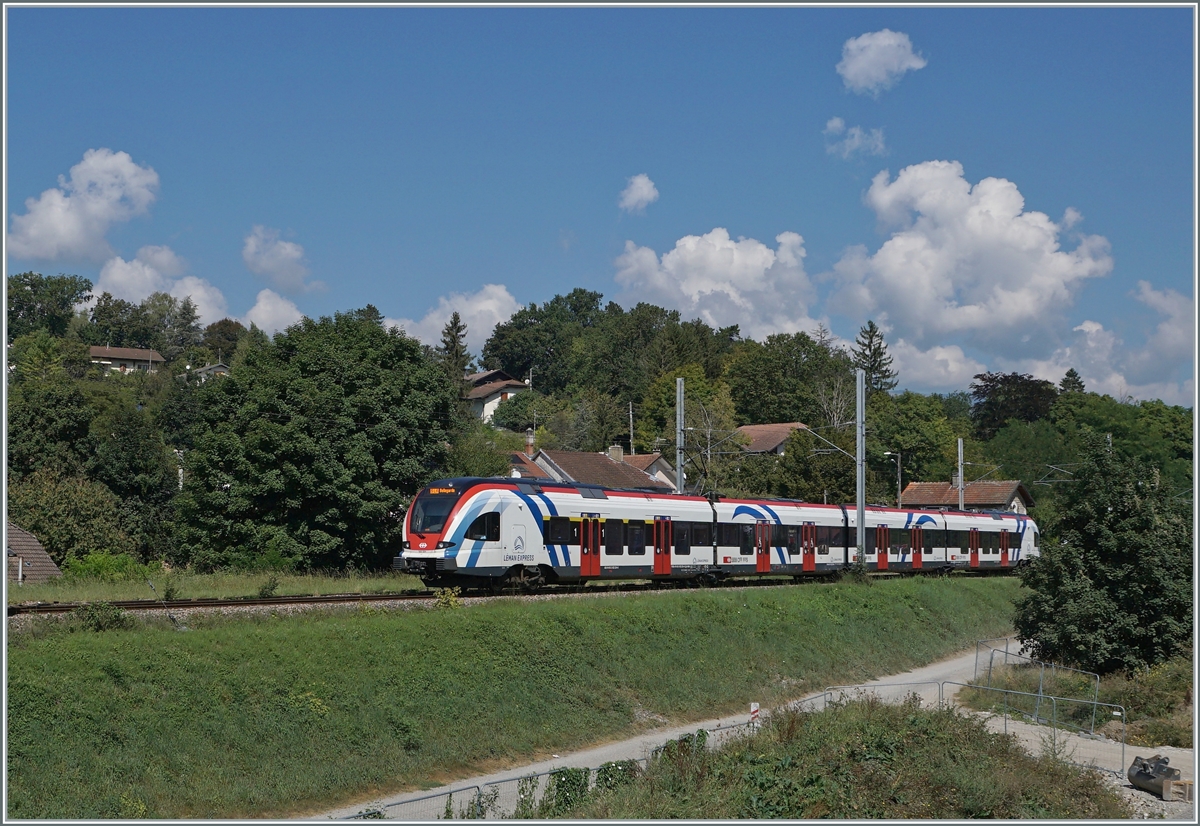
{"x":431,"y":509}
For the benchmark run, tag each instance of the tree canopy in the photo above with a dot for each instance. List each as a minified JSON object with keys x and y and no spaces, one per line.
{"x":310,"y":451}
{"x":1115,"y":591}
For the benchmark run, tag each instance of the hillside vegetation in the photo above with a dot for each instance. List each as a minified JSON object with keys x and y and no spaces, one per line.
{"x":858,"y":760}
{"x":278,"y":715}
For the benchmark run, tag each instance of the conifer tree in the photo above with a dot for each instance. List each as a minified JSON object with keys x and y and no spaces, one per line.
{"x":871,"y":355}
{"x":1071,"y":382}
{"x":452,"y":352}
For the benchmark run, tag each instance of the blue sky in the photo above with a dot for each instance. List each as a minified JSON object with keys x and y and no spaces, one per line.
{"x":1002,"y":189}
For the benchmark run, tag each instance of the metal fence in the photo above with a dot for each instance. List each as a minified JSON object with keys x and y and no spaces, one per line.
{"x":543,"y":795}
{"x":1052,"y":678}
{"x":1066,"y":726}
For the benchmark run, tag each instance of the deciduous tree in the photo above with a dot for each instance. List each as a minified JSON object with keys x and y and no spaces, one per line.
{"x":39,"y":302}
{"x":312,"y":447}
{"x":1115,"y":591}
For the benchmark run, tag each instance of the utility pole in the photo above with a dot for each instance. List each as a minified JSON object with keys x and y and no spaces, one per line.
{"x":960,"y":476}
{"x":632,"y":452}
{"x":860,"y":426}
{"x":679,"y":434}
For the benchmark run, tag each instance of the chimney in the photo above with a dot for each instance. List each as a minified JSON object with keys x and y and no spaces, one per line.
{"x":529,"y":442}
{"x":616,"y":453}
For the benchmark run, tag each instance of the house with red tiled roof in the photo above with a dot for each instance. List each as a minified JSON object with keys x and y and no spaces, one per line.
{"x":1008,"y":495}
{"x":486,"y":390}
{"x":27,"y":559}
{"x":126,"y":359}
{"x":652,"y":464}
{"x":596,"y":469}
{"x":769,"y":438}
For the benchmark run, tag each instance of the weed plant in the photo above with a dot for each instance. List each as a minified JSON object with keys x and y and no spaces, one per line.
{"x":272,"y":715}
{"x":857,"y":760}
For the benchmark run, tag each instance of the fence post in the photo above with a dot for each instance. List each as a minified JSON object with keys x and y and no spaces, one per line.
{"x":1006,"y":712}
{"x":1054,"y":724}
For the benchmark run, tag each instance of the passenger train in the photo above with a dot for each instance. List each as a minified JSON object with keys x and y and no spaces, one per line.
{"x":500,"y":533}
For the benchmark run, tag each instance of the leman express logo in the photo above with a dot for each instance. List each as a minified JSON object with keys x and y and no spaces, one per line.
{"x":519,"y":543}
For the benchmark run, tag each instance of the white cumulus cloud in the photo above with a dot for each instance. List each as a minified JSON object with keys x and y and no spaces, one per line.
{"x":939,"y":369}
{"x":639,"y":193}
{"x":724,"y":281}
{"x":1106,"y":367}
{"x":209,"y":300}
{"x":272,"y":312}
{"x":481,"y":311}
{"x":70,"y":222}
{"x":876,"y":60}
{"x":855,"y":140}
{"x":965,"y":262}
{"x":280,"y":262}
{"x":159,"y":269}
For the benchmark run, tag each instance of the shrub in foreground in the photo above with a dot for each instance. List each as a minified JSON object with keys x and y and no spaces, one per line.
{"x":856,"y":760}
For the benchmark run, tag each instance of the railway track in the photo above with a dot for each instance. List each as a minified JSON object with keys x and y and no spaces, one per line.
{"x":343,"y":599}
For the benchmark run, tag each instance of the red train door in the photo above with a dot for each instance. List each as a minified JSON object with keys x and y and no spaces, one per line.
{"x":762,"y":547}
{"x":881,"y":548}
{"x":662,"y":545}
{"x":589,"y":547}
{"x":1004,"y":548}
{"x":808,"y":541}
{"x":918,"y":545}
{"x":974,"y":545}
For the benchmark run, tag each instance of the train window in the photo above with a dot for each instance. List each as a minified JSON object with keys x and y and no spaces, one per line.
{"x":635,"y":538}
{"x":778,"y":536}
{"x":729,"y":534}
{"x":486,"y":527}
{"x":793,"y":539}
{"x":702,"y":534}
{"x":869,"y":544}
{"x":899,"y":539}
{"x":829,"y":536}
{"x":746,"y":539}
{"x":562,"y":531}
{"x":927,"y":535}
{"x":613,"y":531}
{"x":683,"y":538}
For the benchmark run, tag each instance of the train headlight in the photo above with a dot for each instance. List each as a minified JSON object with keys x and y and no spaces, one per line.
{"x":405,"y":545}
{"x":446,"y":544}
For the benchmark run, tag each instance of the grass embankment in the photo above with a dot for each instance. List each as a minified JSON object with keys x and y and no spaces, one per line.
{"x":288,"y":715}
{"x":1158,"y":702}
{"x":863,"y":759}
{"x":185,"y":585}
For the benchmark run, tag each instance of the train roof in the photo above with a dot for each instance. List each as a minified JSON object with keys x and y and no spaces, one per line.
{"x":589,"y":490}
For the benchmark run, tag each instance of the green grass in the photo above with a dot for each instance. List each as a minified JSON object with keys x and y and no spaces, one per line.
{"x":275,"y":716}
{"x":1157,"y":702}
{"x":858,"y":760}
{"x":199,"y":586}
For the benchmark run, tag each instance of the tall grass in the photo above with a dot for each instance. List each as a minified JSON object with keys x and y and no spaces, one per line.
{"x":289,"y":715}
{"x":858,"y":760}
{"x":186,"y":585}
{"x":1158,"y":701}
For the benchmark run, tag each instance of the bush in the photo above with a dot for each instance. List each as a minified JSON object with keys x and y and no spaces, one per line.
{"x":104,"y":567}
{"x":100,"y":616}
{"x":268,"y":588}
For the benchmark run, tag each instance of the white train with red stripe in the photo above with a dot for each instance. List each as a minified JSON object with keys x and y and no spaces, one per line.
{"x":497,"y":532}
